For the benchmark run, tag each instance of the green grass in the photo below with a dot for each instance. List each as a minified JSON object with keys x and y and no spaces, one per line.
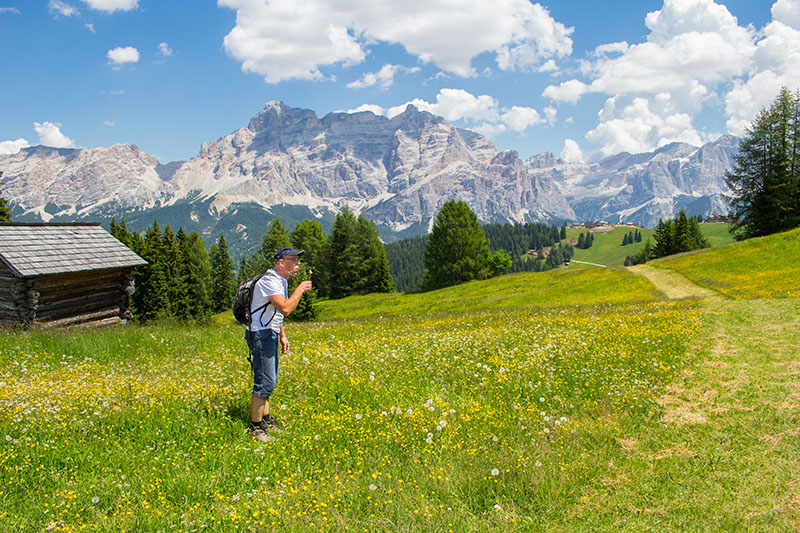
{"x":608,"y":250}
{"x":565,"y":286}
{"x":573,"y":400}
{"x":722,"y":452}
{"x":767,"y":267}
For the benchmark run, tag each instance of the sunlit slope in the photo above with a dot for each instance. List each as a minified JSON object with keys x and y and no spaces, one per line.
{"x":564,"y":286}
{"x":766,"y":267}
{"x":608,"y":250}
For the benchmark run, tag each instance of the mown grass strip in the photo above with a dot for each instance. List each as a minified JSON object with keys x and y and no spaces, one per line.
{"x":722,"y":452}
{"x":766,"y":267}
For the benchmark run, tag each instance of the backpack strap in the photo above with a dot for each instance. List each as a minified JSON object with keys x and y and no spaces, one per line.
{"x":263,"y":308}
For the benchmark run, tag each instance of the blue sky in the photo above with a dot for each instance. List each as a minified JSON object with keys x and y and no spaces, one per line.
{"x":580,"y":78}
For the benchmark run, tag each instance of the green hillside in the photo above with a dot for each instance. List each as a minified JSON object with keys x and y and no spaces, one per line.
{"x":766,"y":267}
{"x":608,"y":250}
{"x":566,"y":286}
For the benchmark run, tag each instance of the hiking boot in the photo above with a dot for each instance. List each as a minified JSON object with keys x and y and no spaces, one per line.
{"x":260,"y":434}
{"x":270,"y":424}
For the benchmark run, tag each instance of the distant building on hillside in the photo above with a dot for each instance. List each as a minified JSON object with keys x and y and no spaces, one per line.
{"x":63,"y":273}
{"x":589,"y":224}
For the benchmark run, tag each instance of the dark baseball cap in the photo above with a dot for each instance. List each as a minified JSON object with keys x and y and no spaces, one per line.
{"x":287,"y":250}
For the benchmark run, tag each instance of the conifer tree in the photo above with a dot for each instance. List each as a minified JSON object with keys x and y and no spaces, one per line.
{"x":197,"y":274}
{"x":308,"y":235}
{"x":342,"y":255}
{"x":277,"y":237}
{"x":765,"y":178}
{"x":222,"y":283}
{"x":625,"y":240}
{"x":375,"y":275}
{"x":581,"y":241}
{"x":664,"y":236}
{"x":171,"y":261}
{"x":151,"y":299}
{"x":457,"y":248}
{"x":243,"y":273}
{"x":5,"y":212}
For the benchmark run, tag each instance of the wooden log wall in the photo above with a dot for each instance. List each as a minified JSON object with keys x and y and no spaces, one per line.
{"x":85,"y":297}
{"x":14,"y":307}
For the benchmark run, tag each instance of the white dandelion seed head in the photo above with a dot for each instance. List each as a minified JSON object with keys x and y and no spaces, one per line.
{"x":541,"y":399}
{"x":358,"y":416}
{"x":497,"y":507}
{"x":95,"y":500}
{"x":495,"y":472}
{"x":317,"y":437}
{"x":372,"y":486}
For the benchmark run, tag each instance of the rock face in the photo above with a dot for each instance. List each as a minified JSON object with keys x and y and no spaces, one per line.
{"x":642,"y":188}
{"x":75,"y":183}
{"x":397,"y":172}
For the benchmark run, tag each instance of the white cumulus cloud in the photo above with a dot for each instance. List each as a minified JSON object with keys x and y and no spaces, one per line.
{"x":286,"y":39}
{"x":12,"y":147}
{"x":383,"y":78}
{"x":695,"y":55}
{"x":569,"y":91}
{"x":641,"y":126}
{"x":57,"y":7}
{"x":50,"y":135}
{"x":165,"y":50}
{"x":123,"y":54}
{"x":110,"y":6}
{"x":519,"y":119}
{"x":376,"y":109}
{"x":572,"y":152}
{"x":480,"y":113}
{"x":787,"y":12}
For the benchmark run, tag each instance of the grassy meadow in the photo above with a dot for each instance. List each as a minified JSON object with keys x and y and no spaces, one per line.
{"x":575,"y":399}
{"x":765,"y":267}
{"x":608,"y":250}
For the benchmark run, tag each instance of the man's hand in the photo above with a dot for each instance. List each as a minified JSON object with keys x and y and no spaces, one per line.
{"x":284,"y":343}
{"x":304,"y":286}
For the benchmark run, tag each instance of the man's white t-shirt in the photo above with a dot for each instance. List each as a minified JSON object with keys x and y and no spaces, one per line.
{"x":270,"y":284}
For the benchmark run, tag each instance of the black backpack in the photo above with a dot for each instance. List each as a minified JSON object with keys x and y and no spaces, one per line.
{"x":244,"y":300}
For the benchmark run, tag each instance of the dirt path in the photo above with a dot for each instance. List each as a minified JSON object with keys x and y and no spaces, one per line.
{"x":675,"y":286}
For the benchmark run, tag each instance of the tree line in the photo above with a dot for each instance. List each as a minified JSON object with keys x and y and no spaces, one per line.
{"x":672,"y":236}
{"x":463,"y":249}
{"x":184,"y":280}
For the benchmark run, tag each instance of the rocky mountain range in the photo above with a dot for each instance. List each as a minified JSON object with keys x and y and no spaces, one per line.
{"x":287,"y":162}
{"x":642,"y":188}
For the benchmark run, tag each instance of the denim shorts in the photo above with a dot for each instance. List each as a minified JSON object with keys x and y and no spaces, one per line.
{"x":263,"y":346}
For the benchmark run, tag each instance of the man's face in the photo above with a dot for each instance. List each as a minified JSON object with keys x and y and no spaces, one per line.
{"x":292,"y":264}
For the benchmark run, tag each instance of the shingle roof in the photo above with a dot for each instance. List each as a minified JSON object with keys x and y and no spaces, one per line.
{"x":38,"y":249}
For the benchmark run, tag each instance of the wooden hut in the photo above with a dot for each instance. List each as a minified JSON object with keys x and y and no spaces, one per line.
{"x":63,"y":273}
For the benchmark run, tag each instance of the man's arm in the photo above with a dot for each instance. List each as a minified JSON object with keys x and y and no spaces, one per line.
{"x":284,"y":341}
{"x":287,"y":305}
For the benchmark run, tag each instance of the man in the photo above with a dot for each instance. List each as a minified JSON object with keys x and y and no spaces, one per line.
{"x":271,"y":302}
